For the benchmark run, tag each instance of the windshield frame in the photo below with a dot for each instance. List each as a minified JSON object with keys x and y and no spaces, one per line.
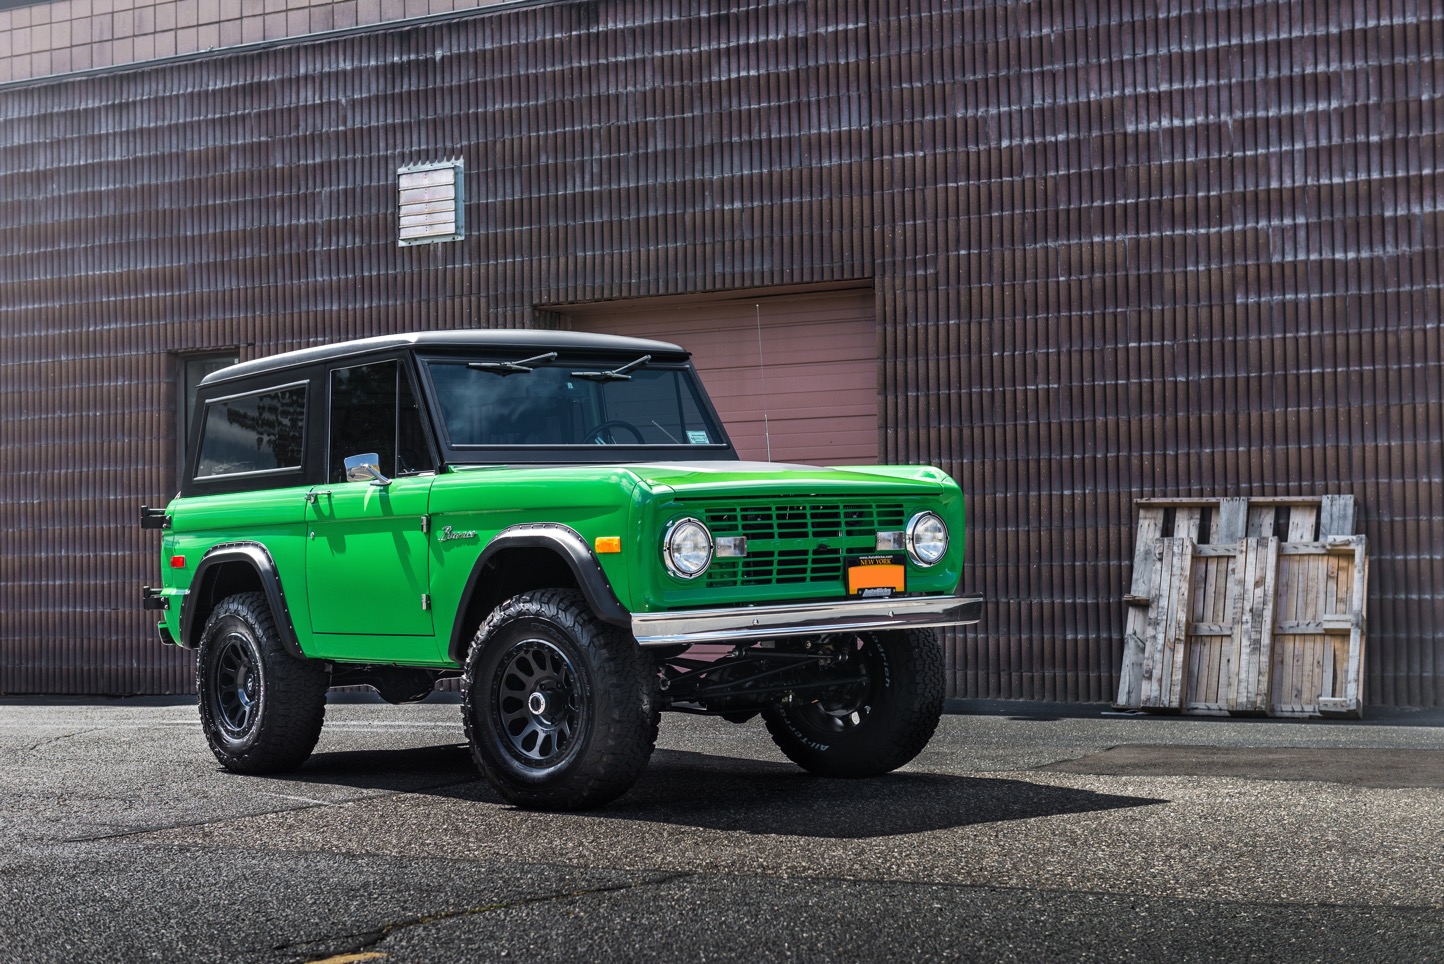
{"x":720,"y":449}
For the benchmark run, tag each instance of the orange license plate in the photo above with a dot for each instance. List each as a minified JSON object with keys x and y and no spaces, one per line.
{"x":876,"y":576}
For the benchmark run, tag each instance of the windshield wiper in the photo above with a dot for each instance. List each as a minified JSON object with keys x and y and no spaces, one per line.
{"x":505,"y":368}
{"x":616,"y":374}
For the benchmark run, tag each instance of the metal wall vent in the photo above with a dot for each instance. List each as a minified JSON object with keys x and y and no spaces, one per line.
{"x":430,"y":203}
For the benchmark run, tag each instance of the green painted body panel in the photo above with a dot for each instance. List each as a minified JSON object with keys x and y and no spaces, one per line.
{"x":273,"y":518}
{"x":365,"y":583}
{"x":368,"y":571}
{"x":592,"y":501}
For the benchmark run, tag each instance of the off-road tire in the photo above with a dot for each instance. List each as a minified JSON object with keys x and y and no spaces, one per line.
{"x":868,"y":729}
{"x":261,"y":708}
{"x":560,"y":708}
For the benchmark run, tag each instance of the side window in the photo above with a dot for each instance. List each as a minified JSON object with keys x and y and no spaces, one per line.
{"x":259,"y":432}
{"x":374,"y":409}
{"x":190,"y":370}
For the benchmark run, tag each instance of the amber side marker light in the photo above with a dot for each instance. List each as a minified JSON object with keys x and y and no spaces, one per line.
{"x":608,"y":544}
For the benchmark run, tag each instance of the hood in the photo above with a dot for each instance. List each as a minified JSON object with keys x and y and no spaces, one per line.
{"x":735,"y":478}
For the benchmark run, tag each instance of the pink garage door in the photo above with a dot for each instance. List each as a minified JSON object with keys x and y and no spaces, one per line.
{"x":807,"y":363}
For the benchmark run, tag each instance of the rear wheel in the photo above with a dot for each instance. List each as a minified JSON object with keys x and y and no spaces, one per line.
{"x":862,"y":729}
{"x":559,"y":707}
{"x":261,"y":708}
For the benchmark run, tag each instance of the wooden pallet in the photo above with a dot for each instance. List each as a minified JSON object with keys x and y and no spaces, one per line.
{"x":1244,"y":606}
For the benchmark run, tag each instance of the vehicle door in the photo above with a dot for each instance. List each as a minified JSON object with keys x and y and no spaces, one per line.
{"x":367,"y":554}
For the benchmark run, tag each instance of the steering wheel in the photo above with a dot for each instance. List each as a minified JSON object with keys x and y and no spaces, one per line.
{"x":602,"y":434}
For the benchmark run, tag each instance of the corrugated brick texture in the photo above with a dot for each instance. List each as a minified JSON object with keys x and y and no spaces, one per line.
{"x":1117,"y":252}
{"x":1151,"y":250}
{"x":69,"y":35}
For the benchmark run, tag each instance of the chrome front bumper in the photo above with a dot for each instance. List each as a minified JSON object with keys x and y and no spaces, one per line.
{"x":742,"y":623}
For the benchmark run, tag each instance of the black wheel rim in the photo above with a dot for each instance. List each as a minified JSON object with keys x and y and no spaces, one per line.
{"x":847,"y":707}
{"x":536,"y":701}
{"x":236,"y":686}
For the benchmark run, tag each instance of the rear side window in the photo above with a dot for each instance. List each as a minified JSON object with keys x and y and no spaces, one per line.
{"x":254,"y":433}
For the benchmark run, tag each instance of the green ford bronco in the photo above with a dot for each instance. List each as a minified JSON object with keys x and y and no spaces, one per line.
{"x":560,"y":520}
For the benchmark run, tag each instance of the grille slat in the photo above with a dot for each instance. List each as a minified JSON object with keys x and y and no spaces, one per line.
{"x":806,"y":523}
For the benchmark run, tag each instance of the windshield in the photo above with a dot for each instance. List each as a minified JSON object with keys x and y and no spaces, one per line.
{"x":570,"y":402}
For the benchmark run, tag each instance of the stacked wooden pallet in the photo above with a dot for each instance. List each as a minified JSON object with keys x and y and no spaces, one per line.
{"x":1248,"y":606}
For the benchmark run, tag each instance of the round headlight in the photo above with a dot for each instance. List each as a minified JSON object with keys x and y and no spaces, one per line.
{"x":927,"y":538}
{"x":687,"y":549}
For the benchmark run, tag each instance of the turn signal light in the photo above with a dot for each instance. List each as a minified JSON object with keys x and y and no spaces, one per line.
{"x":608,"y":544}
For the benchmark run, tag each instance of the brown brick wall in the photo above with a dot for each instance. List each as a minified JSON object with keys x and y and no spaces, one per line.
{"x":41,"y":39}
{"x":1118,"y":252}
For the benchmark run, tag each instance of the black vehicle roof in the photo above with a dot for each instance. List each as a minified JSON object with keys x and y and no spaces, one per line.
{"x":511,"y":339}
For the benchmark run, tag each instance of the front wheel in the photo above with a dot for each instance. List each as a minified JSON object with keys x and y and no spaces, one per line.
{"x":261,"y":708}
{"x":559,"y":707}
{"x":868,"y":727}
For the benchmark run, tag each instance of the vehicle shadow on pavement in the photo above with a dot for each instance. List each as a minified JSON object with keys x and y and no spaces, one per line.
{"x":688,"y":789}
{"x":411,"y":770}
{"x":722,"y":793}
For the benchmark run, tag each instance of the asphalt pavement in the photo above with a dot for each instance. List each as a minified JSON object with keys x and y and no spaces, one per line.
{"x":1025,"y":832}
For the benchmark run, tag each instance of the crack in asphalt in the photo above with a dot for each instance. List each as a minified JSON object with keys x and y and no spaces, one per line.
{"x":372,"y":938}
{"x":60,"y":739}
{"x":369,"y":940}
{"x":311,"y":804}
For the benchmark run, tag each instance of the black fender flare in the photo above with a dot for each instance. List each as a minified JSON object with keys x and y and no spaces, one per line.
{"x":566,"y":543}
{"x":255,"y":557}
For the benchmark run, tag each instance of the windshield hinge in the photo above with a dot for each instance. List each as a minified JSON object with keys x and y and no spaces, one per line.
{"x":425,"y":601}
{"x":426,"y":523}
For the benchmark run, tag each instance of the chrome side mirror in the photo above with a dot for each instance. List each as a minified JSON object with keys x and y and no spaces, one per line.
{"x":365,"y":468}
